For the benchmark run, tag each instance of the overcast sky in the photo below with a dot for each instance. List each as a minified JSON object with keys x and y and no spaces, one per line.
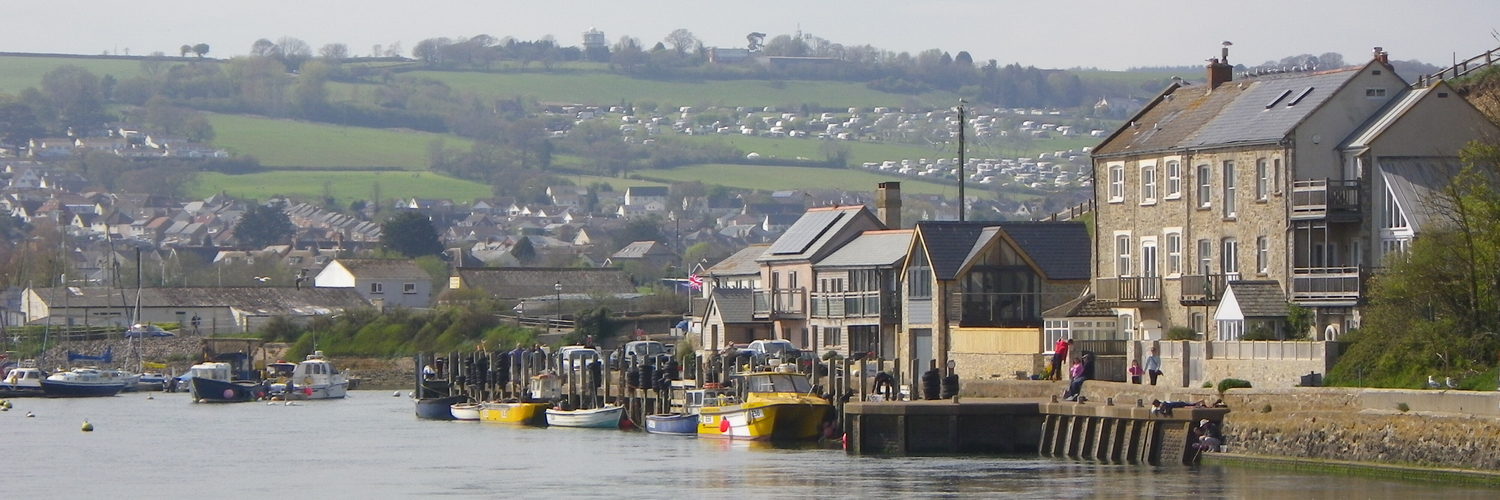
{"x":1108,"y":34}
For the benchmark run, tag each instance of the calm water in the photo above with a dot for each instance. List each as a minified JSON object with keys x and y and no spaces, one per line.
{"x":371,"y":446}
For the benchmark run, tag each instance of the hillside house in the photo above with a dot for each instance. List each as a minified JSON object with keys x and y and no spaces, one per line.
{"x":383,"y":282}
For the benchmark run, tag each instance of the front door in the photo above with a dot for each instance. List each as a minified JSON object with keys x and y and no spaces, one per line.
{"x":1149,"y":284}
{"x":921,"y":353}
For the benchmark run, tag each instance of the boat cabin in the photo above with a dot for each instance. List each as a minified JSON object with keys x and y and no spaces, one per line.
{"x":212,"y":371}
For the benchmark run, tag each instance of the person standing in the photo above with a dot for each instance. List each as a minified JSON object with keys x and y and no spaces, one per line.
{"x":1153,"y":365}
{"x":1059,"y":356}
{"x":1135,"y":371}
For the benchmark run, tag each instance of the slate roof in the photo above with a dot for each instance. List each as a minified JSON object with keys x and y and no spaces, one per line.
{"x":634,"y":191}
{"x":817,"y":229}
{"x":525,"y":282}
{"x":268,"y":301}
{"x":948,"y":243}
{"x":395,"y":269}
{"x":871,"y":249}
{"x":1060,"y":249}
{"x":741,"y":263}
{"x":1417,"y":182}
{"x":641,"y":250}
{"x":1259,"y":299}
{"x":736,"y":305}
{"x":1082,"y":307}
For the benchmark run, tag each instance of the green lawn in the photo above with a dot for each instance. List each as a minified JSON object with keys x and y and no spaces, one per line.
{"x":17,"y":73}
{"x":773,"y":178}
{"x":289,"y":143}
{"x":347,"y":186}
{"x":607,"y":89}
{"x":862,"y":152}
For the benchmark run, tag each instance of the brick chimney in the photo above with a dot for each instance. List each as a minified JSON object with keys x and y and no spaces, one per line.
{"x":1383,"y":56}
{"x":888,"y":204}
{"x":1219,"y":69}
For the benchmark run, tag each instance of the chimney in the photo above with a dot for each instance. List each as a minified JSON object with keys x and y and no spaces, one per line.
{"x":888,"y":204}
{"x":1383,"y":56}
{"x":1219,"y":69}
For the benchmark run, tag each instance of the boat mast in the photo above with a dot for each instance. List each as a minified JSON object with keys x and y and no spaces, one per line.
{"x":136,"y":315}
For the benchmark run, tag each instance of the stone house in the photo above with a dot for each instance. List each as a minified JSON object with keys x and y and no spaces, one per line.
{"x":853,"y":304}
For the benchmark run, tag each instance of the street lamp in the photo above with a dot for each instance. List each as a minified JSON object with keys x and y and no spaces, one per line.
{"x":557,"y":287}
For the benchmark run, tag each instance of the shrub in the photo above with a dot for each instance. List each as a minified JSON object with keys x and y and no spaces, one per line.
{"x":1403,"y":407}
{"x":1181,"y":333}
{"x":1232,"y":383}
{"x":1208,"y":384}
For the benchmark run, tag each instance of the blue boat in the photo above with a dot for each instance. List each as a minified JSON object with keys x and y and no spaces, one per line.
{"x":675,"y":424}
{"x":211,"y":383}
{"x":438,"y":408}
{"x":81,"y":383}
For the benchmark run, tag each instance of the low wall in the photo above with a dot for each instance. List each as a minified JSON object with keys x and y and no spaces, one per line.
{"x":995,"y":366}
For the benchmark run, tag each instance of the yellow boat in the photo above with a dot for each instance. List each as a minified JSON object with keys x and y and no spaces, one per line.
{"x":512,"y":413}
{"x":774,"y":406}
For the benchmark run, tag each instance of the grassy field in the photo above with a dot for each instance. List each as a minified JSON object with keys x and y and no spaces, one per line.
{"x":774,"y":178}
{"x":17,"y":73}
{"x":347,"y":186}
{"x":288,"y":143}
{"x":862,"y":152}
{"x":608,"y":89}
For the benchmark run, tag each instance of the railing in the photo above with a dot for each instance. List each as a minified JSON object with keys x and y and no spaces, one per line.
{"x":1268,"y":349}
{"x":783,"y":302}
{"x":996,"y":309}
{"x":1327,"y":284}
{"x":867,"y":304}
{"x":1325,"y":199}
{"x":1072,"y":212}
{"x":1465,"y":67}
{"x":1200,"y":289}
{"x":1129,"y":289}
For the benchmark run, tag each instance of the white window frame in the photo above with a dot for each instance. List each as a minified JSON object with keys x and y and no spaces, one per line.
{"x":1205,"y":185}
{"x":1174,"y":179}
{"x":1117,"y":182}
{"x":1173,"y":251}
{"x":377,"y":287}
{"x":1229,"y":257}
{"x":1262,"y":179}
{"x":1229,"y":189}
{"x":1148,"y":184}
{"x":1124,"y":253}
{"x":1262,"y":255}
{"x":409,"y":288}
{"x":1205,"y":257}
{"x":1375,"y":92}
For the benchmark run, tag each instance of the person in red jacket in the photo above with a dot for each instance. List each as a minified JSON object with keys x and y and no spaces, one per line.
{"x":1060,"y":356}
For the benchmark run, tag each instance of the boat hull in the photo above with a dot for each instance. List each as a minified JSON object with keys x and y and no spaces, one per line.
{"x":218,"y":391}
{"x":514,"y":413}
{"x":674,"y":424}
{"x":773,"y":421}
{"x":438,"y":408}
{"x":21,"y":391}
{"x":598,"y":418}
{"x":61,"y":389}
{"x":465,"y":411}
{"x":330,"y":391}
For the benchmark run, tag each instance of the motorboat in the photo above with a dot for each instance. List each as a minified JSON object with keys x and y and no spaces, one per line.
{"x":605,"y":417}
{"x":214,"y":382}
{"x":126,"y":377}
{"x":316,"y":378}
{"x":674,"y":424}
{"x":771,"y":405}
{"x":438,"y":408}
{"x":152,"y":381}
{"x":467,"y":411}
{"x":81,"y":382}
{"x":22,"y":381}
{"x":684,"y":420}
{"x":513,"y":412}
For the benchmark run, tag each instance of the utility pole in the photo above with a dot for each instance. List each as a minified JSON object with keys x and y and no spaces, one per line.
{"x":961,"y":160}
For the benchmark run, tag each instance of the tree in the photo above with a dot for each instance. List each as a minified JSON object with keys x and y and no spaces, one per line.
{"x":410,"y":234}
{"x":523,"y":251}
{"x":184,"y":49}
{"x":200,"y":49}
{"x":682,"y":41}
{"x":263,"y":225}
{"x":74,"y":97}
{"x":836,"y":152}
{"x":334,"y":52}
{"x":263,"y":48}
{"x":18,"y":124}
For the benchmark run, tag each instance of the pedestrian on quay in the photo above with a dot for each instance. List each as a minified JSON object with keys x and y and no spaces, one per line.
{"x":1060,"y":356}
{"x":1153,"y":365}
{"x":1135,"y":371}
{"x":1076,"y":384}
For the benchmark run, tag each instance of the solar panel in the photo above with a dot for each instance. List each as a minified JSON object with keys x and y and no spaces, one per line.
{"x":807,"y":230}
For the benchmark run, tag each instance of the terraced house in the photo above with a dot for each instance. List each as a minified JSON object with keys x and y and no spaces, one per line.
{"x":1302,"y":181}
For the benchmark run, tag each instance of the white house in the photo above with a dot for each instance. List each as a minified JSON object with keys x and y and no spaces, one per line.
{"x":383,"y":282}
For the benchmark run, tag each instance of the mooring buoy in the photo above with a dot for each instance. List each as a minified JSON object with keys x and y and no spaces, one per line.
{"x":87,"y":427}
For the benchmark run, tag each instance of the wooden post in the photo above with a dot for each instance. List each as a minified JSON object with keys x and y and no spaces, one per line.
{"x":417,"y":360}
{"x":863,"y":364}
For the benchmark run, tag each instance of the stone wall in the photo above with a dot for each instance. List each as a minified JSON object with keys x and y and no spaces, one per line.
{"x":973,"y":366}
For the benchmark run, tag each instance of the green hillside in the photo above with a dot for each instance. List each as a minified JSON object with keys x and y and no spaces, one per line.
{"x":347,"y":186}
{"x":19,"y":72}
{"x":769,"y":178}
{"x":290,"y":143}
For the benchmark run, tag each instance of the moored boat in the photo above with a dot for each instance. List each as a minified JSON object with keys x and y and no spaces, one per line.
{"x":316,"y":378}
{"x":606,"y":417}
{"x":774,"y":406}
{"x":22,"y":381}
{"x":684,"y":420}
{"x":438,"y":408}
{"x":151,"y":382}
{"x":80,"y":383}
{"x":213,"y":383}
{"x":676,"y":424}
{"x":467,"y":410}
{"x":513,"y":412}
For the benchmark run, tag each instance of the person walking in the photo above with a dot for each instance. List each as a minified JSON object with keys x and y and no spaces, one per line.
{"x":1153,"y":365}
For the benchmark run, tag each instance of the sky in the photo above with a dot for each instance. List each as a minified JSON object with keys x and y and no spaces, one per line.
{"x":1106,"y":34}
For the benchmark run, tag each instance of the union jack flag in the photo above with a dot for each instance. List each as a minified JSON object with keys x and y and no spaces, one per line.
{"x":695,"y":282}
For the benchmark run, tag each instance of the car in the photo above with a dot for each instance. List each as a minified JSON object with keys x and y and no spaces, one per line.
{"x":642,"y":350}
{"x":141,"y":331}
{"x":764,"y":350}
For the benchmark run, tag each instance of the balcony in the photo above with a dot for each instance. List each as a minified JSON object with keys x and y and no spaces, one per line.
{"x":1202,"y":290}
{"x":1003,"y":310}
{"x":844,"y":305}
{"x":783,"y":303}
{"x":1327,"y":286}
{"x":1129,"y":289}
{"x":1326,"y":199}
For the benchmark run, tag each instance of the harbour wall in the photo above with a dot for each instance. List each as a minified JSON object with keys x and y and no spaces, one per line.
{"x":1446,"y":429}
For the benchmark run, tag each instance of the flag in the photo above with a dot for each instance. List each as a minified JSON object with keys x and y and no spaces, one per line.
{"x":695,"y":282}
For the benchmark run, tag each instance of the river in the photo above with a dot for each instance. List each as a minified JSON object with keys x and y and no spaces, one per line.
{"x":371,"y":446}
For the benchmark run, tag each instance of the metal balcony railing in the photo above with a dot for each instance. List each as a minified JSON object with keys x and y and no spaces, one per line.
{"x":1129,"y":289}
{"x":1326,"y":199}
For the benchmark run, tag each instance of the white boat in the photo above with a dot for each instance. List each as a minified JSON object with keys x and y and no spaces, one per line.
{"x":316,"y":378}
{"x":607,"y":417}
{"x":130,"y":380}
{"x":465,"y":411}
{"x":80,"y":382}
{"x":25,"y":380}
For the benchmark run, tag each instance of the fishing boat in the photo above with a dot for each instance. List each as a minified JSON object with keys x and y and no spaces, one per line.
{"x":438,"y":408}
{"x":22,"y":381}
{"x":152,"y":381}
{"x":684,"y":421}
{"x":606,"y":417}
{"x":467,"y":411}
{"x":214,"y":383}
{"x":79,"y":383}
{"x":773,"y":405}
{"x":316,"y":378}
{"x":513,"y":412}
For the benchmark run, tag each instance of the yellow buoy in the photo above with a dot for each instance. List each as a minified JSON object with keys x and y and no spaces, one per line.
{"x":88,"y":427}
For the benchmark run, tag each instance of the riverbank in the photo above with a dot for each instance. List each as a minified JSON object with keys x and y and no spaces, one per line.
{"x":182,"y":351}
{"x":1438,"y":430}
{"x":1363,"y":469}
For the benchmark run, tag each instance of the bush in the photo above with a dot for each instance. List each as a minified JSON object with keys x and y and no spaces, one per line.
{"x":1403,"y":407}
{"x":1232,"y":383}
{"x":1208,"y":384}
{"x":1181,"y":333}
